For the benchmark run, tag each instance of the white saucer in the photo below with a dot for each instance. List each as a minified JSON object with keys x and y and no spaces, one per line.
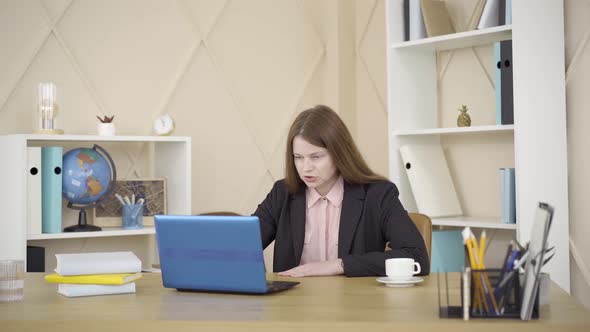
{"x":399,"y":283}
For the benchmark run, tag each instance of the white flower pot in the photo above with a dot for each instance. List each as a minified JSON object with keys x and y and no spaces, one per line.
{"x":106,"y":129}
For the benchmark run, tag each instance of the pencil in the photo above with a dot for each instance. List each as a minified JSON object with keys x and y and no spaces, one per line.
{"x":478,"y":291}
{"x":486,"y":281}
{"x":480,"y":280}
{"x":482,"y":245}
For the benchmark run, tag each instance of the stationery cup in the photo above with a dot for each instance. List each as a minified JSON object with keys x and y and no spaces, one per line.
{"x":12,"y":280}
{"x":401,"y":269}
{"x":132,"y":216}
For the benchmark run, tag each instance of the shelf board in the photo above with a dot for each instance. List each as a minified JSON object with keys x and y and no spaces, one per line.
{"x":106,"y":232}
{"x":96,"y":138}
{"x":458,"y":40}
{"x":454,"y":130}
{"x":474,"y":222}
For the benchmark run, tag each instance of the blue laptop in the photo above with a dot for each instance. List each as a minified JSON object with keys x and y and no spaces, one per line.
{"x":213,"y":254}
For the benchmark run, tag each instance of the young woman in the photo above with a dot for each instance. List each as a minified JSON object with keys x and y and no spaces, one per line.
{"x":332,"y":214}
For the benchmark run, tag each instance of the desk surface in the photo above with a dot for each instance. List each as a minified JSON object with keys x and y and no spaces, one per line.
{"x":317,"y":304}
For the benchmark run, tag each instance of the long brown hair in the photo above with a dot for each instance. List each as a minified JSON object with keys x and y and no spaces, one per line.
{"x":322,"y":127}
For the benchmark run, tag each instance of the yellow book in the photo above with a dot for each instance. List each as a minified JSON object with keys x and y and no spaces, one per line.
{"x":95,"y":279}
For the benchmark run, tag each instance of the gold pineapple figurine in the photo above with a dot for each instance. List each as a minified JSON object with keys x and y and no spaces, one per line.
{"x":464,"y":120}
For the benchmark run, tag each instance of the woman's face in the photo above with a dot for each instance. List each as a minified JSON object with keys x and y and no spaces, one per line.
{"x":314,"y":165}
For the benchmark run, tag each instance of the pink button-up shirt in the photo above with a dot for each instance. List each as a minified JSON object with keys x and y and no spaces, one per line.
{"x":322,"y":222}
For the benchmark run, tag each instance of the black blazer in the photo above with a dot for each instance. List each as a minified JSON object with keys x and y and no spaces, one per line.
{"x":371,"y":216}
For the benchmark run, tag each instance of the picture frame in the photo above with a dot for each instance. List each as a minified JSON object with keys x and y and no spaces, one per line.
{"x":108,"y":211}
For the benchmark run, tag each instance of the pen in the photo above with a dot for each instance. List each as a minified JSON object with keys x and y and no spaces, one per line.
{"x":509,"y":269}
{"x":133,"y":199}
{"x":140,"y":201}
{"x":507,"y":263}
{"x":120,"y":199}
{"x":136,"y":213}
{"x":127,"y":200}
{"x":518,"y":262}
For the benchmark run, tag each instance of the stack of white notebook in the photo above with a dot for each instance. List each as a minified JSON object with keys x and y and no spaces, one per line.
{"x":96,"y":273}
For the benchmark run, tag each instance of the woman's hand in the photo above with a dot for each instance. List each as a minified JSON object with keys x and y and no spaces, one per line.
{"x":325,"y":268}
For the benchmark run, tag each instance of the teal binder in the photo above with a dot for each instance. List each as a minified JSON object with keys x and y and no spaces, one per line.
{"x":448,"y":254}
{"x":498,"y":82}
{"x":51,"y":183}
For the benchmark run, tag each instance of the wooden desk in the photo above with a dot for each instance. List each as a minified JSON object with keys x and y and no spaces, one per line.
{"x":317,"y":304}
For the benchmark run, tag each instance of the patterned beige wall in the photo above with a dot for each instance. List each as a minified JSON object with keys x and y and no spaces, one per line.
{"x":466,"y":76}
{"x":233,"y":75}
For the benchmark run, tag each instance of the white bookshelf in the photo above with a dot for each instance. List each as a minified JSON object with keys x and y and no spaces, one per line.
{"x":168,"y":157}
{"x":455,"y":130}
{"x":106,"y":232}
{"x":473,"y":222}
{"x":457,"y":40}
{"x":96,"y":138}
{"x":538,"y":136}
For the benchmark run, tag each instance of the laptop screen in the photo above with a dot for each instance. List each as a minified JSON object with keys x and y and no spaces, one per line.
{"x":212,"y":253}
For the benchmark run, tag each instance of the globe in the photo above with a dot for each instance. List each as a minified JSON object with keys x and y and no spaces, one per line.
{"x":87,"y":176}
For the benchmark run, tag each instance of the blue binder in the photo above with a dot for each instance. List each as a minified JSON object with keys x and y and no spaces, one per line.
{"x":508,"y":196}
{"x":508,"y":18}
{"x":51,"y":183}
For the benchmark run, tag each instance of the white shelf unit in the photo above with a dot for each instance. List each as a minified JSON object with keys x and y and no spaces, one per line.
{"x":170,"y":159}
{"x":539,"y":131}
{"x":457,"y":40}
{"x":473,"y":222}
{"x":106,"y":232}
{"x":454,"y":130}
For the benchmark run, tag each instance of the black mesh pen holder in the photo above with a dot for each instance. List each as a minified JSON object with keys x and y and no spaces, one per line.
{"x":506,"y":301}
{"x":507,"y":295}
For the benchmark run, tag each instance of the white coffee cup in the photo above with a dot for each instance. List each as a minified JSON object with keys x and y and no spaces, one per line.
{"x":400,"y":269}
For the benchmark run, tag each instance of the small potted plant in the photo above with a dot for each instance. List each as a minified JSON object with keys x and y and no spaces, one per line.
{"x":106,"y":127}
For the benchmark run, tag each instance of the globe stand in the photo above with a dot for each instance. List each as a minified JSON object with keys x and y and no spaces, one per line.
{"x":82,"y":224}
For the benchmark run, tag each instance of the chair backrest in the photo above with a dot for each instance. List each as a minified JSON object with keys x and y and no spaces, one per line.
{"x":424,"y":225}
{"x":220,"y":213}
